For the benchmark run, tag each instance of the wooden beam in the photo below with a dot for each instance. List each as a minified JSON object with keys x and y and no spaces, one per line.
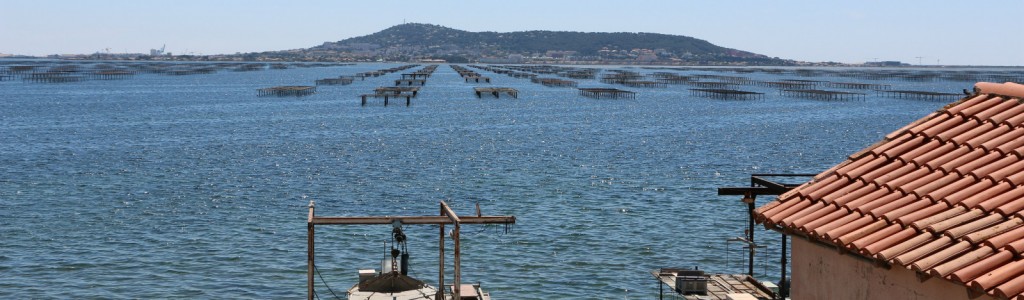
{"x":411,"y":220}
{"x":457,"y":286}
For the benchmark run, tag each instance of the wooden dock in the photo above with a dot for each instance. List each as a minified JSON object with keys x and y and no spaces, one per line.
{"x":923,"y":95}
{"x":410,"y":82}
{"x":858,"y":86}
{"x":606,"y":93}
{"x":710,"y":286}
{"x":341,"y":80}
{"x":408,"y":98}
{"x":726,"y":94}
{"x":824,"y":95}
{"x":496,"y":91}
{"x":281,"y":91}
{"x":554,"y":82}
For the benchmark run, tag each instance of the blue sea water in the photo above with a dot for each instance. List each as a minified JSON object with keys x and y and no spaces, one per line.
{"x":193,"y":187}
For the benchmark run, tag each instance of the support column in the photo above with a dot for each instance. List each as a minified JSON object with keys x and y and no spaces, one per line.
{"x":310,"y":254}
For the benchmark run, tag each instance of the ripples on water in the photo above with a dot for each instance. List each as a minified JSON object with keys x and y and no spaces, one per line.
{"x":191,"y":186}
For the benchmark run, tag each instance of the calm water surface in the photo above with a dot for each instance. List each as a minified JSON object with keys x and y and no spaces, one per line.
{"x":192,"y":187}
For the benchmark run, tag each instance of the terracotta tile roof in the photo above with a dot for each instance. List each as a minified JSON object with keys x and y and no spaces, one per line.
{"x":942,"y":196}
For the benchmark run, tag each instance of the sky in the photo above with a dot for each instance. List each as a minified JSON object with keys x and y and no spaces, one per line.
{"x":852,"y":31}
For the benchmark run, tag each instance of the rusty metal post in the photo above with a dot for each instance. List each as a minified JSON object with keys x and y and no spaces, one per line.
{"x":309,"y":253}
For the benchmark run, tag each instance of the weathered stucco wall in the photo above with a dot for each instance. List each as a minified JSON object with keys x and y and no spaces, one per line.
{"x":823,"y":273}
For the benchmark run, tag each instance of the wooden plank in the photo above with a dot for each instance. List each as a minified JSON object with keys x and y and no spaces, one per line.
{"x":412,"y":220}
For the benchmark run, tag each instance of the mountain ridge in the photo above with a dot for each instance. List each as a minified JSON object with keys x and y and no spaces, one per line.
{"x":417,"y":41}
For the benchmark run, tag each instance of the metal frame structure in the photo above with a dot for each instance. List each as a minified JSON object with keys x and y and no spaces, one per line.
{"x":447,"y":216}
{"x":761,"y":185}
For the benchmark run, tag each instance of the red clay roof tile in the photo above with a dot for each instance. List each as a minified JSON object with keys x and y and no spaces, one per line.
{"x":944,"y":191}
{"x":1004,"y":238}
{"x":956,"y":109}
{"x":910,"y":187}
{"x":932,"y":120}
{"x":996,"y":132}
{"x":943,"y":195}
{"x":987,"y":169}
{"x":789,"y":210}
{"x":887,"y":242}
{"x":975,"y":225}
{"x":963,"y":218}
{"x":888,"y":206}
{"x":978,"y":107}
{"x":917,"y":215}
{"x":1013,"y":134}
{"x":941,"y":127}
{"x":977,"y":237}
{"x":1017,"y":247}
{"x":965,"y":127}
{"x":920,"y":150}
{"x":877,"y":235}
{"x":948,"y":157}
{"x":935,"y":185}
{"x":1014,"y":207}
{"x":825,"y":228}
{"x":814,"y":207}
{"x":998,"y":276}
{"x":873,"y":203}
{"x":916,"y":205}
{"x":886,"y":145}
{"x":1011,"y":288}
{"x":881,"y":170}
{"x":1010,"y":146}
{"x":867,"y":191}
{"x":968,"y":191}
{"x":999,"y":175}
{"x":1007,"y":114}
{"x":829,"y":198}
{"x":830,"y":181}
{"x":993,"y":191}
{"x":912,"y":255}
{"x":1001,"y":106}
{"x":980,"y":130}
{"x":907,"y":244}
{"x":939,"y":217}
{"x":862,"y":166}
{"x":968,"y":273}
{"x":1016,"y":179}
{"x":814,"y":215}
{"x":966,"y":259}
{"x":931,"y":155}
{"x":942,"y":255}
{"x":804,"y":226}
{"x":844,"y":237}
{"x":993,"y":203}
{"x":970,"y":161}
{"x":1014,"y":121}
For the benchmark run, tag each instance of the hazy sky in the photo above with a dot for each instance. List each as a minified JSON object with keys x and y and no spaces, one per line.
{"x":942,"y":31}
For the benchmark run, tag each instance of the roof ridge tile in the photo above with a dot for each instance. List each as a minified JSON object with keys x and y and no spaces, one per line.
{"x":1010,"y":89}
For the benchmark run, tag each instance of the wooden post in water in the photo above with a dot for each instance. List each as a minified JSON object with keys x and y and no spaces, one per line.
{"x":310,"y":267}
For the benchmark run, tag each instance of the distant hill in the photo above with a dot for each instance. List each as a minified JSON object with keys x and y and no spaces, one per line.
{"x":414,"y":41}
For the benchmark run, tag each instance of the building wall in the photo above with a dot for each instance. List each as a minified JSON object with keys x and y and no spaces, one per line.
{"x":821,"y":272}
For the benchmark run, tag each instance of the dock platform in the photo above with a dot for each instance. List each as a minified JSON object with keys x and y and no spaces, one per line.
{"x":715,"y":286}
{"x":496,"y":91}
